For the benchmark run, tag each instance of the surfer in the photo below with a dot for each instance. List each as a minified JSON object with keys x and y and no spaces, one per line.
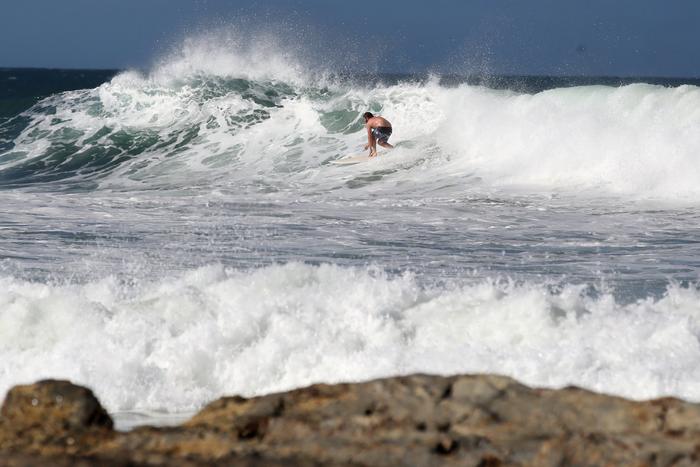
{"x":378,"y":132}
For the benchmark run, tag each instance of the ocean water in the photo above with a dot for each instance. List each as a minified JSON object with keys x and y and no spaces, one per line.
{"x":171,"y":235}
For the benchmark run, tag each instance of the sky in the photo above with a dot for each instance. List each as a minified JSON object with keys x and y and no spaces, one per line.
{"x":517,"y":37}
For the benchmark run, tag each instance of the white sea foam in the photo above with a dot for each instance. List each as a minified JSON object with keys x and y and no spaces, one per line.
{"x":636,"y":140}
{"x":176,"y":344}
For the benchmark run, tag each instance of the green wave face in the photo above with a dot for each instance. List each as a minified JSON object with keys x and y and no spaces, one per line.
{"x":144,"y":130}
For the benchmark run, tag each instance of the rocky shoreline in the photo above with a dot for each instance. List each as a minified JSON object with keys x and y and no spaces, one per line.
{"x":470,"y":420}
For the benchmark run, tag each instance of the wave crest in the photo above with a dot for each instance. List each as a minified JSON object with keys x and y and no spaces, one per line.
{"x":223,"y":112}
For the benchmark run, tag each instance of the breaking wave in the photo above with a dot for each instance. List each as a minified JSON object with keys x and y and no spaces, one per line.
{"x":175,"y":344}
{"x":226,"y":114}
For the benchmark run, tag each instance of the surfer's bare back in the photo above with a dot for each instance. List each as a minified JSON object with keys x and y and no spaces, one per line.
{"x":378,"y":132}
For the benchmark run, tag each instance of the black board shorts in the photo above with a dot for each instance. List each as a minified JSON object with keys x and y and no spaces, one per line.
{"x":381,"y":133}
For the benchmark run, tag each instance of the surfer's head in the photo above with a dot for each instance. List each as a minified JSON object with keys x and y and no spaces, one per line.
{"x":367,"y":115}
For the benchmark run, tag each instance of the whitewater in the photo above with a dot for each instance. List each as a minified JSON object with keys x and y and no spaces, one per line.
{"x":178,"y":234}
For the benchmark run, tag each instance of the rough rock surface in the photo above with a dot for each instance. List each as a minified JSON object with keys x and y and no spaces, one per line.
{"x":419,"y":420}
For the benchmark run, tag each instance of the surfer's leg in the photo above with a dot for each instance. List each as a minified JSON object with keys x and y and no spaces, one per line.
{"x":381,"y":136}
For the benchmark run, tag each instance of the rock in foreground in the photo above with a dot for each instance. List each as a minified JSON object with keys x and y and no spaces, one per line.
{"x":415,"y":420}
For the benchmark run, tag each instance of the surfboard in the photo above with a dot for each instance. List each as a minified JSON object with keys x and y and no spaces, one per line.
{"x":349,"y":160}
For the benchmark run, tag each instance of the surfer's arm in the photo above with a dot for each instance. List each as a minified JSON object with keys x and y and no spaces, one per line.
{"x":369,"y":137}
